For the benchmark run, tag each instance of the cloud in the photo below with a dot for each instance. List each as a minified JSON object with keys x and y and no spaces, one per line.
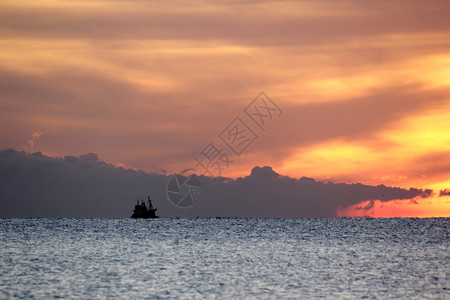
{"x":356,"y":118}
{"x":273,"y":196}
{"x":137,"y":81}
{"x":265,"y":172}
{"x":150,"y":126}
{"x":445,"y":192}
{"x":269,"y":23}
{"x":35,"y":185}
{"x":369,"y":206}
{"x":32,"y":141}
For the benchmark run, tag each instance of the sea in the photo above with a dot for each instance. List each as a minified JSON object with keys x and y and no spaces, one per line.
{"x":225,"y":258}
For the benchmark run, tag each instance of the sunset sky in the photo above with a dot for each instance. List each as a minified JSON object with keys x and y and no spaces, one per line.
{"x":363,"y":87}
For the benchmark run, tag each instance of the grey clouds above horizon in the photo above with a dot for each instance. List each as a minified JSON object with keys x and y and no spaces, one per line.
{"x":35,"y":185}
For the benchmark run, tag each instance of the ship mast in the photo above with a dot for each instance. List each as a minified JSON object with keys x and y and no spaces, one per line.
{"x":150,"y":206}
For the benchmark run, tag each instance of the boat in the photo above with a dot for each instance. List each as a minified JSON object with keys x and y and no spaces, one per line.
{"x":142,"y":212}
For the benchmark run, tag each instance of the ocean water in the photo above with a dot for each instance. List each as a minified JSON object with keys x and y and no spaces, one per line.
{"x":225,"y":258}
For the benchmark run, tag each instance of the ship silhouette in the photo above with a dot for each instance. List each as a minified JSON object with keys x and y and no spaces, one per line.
{"x":142,"y":212}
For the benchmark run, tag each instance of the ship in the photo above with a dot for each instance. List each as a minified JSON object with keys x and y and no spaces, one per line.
{"x":142,"y":212}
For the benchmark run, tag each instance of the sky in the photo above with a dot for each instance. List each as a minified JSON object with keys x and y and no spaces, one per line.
{"x":360,"y":90}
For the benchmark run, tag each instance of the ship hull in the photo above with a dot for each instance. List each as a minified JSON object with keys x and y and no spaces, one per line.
{"x":144,"y":217}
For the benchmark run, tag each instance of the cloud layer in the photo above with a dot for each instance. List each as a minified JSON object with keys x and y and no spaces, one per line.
{"x":35,"y":185}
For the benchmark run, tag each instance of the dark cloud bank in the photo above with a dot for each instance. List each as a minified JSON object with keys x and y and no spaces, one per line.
{"x":34,"y":185}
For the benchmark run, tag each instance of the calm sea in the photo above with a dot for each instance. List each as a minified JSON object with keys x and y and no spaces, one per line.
{"x":225,"y":258}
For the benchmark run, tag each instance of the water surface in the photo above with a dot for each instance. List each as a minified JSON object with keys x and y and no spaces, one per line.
{"x":225,"y":258}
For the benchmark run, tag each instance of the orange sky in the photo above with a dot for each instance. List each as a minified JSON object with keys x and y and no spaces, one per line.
{"x":364,"y":86}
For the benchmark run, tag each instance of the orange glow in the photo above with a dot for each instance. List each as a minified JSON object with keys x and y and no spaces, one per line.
{"x":390,"y":158}
{"x":419,"y":208}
